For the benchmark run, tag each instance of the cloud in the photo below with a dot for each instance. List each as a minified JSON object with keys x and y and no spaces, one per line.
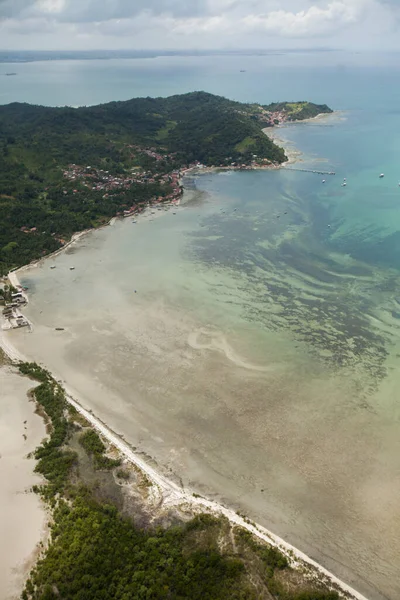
{"x":199,"y":23}
{"x":76,"y":11}
{"x":314,"y":21}
{"x":11,"y":8}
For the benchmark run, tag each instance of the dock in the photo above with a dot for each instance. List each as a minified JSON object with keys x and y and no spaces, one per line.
{"x":310,"y":171}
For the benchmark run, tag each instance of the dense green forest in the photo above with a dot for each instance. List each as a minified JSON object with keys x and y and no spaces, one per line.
{"x":40,"y":207}
{"x":96,"y":552}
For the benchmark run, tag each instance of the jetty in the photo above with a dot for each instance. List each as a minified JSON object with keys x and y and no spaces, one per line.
{"x":311,"y":171}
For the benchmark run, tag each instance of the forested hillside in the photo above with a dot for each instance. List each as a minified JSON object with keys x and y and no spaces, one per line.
{"x":45,"y":194}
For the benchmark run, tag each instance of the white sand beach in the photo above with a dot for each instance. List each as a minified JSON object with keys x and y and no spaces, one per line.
{"x":166,"y":493}
{"x":22,"y":515}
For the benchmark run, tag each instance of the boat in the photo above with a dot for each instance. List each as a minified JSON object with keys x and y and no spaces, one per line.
{"x":323,"y":181}
{"x":52,"y":267}
{"x":71,"y":268}
{"x":10,"y":74}
{"x":381,"y":175}
{"x":344,"y":184}
{"x":134,"y":221}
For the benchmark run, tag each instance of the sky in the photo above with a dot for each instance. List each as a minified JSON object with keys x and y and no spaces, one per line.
{"x":199,"y":24}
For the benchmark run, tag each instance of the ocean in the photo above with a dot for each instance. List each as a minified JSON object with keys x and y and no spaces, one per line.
{"x":249,"y":344}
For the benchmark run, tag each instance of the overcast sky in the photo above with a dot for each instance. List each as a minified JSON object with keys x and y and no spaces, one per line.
{"x":203,"y":24}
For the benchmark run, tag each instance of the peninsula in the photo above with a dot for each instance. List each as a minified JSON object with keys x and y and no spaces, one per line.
{"x":64,"y":170}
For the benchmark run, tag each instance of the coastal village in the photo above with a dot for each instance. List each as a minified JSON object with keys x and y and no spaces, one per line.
{"x":100,"y":180}
{"x":267,"y":117}
{"x":12,"y":299}
{"x":94,"y":179}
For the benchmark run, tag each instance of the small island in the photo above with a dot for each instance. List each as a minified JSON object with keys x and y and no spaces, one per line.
{"x":64,"y":170}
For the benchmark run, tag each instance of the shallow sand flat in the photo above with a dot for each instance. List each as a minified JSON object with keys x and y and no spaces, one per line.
{"x":198,"y":403}
{"x":22,"y":516}
{"x":258,"y":374}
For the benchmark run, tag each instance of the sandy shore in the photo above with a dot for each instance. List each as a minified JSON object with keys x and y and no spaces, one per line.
{"x":22,"y":515}
{"x":169,"y":492}
{"x":172,"y":494}
{"x":294,"y":154}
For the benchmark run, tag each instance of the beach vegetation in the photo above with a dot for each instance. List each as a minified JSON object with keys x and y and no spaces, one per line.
{"x":93,"y":445}
{"x":123,"y":474}
{"x":95,"y":552}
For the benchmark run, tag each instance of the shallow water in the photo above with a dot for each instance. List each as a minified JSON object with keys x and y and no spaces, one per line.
{"x":249,"y":344}
{"x":236,"y":345}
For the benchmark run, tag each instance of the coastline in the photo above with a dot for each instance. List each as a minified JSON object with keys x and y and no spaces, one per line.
{"x":293,"y":154}
{"x":23,"y":515}
{"x":170,"y":494}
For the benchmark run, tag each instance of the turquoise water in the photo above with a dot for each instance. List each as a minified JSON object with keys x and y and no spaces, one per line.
{"x":261,"y":348}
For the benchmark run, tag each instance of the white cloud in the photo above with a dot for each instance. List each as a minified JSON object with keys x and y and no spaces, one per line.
{"x":315,"y":20}
{"x":198,"y":23}
{"x":51,"y":6}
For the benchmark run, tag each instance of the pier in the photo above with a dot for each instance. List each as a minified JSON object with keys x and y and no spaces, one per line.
{"x":311,"y":171}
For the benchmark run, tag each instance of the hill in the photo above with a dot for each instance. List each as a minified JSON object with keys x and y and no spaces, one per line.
{"x":67,"y":169}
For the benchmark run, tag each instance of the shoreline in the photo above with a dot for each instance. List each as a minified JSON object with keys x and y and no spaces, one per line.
{"x":293,"y":154}
{"x":24,"y":516}
{"x":171,"y":494}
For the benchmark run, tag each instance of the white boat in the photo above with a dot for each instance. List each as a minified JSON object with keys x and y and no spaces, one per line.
{"x":52,"y":267}
{"x":381,"y":175}
{"x":344,"y":184}
{"x":71,"y":268}
{"x":323,"y":181}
